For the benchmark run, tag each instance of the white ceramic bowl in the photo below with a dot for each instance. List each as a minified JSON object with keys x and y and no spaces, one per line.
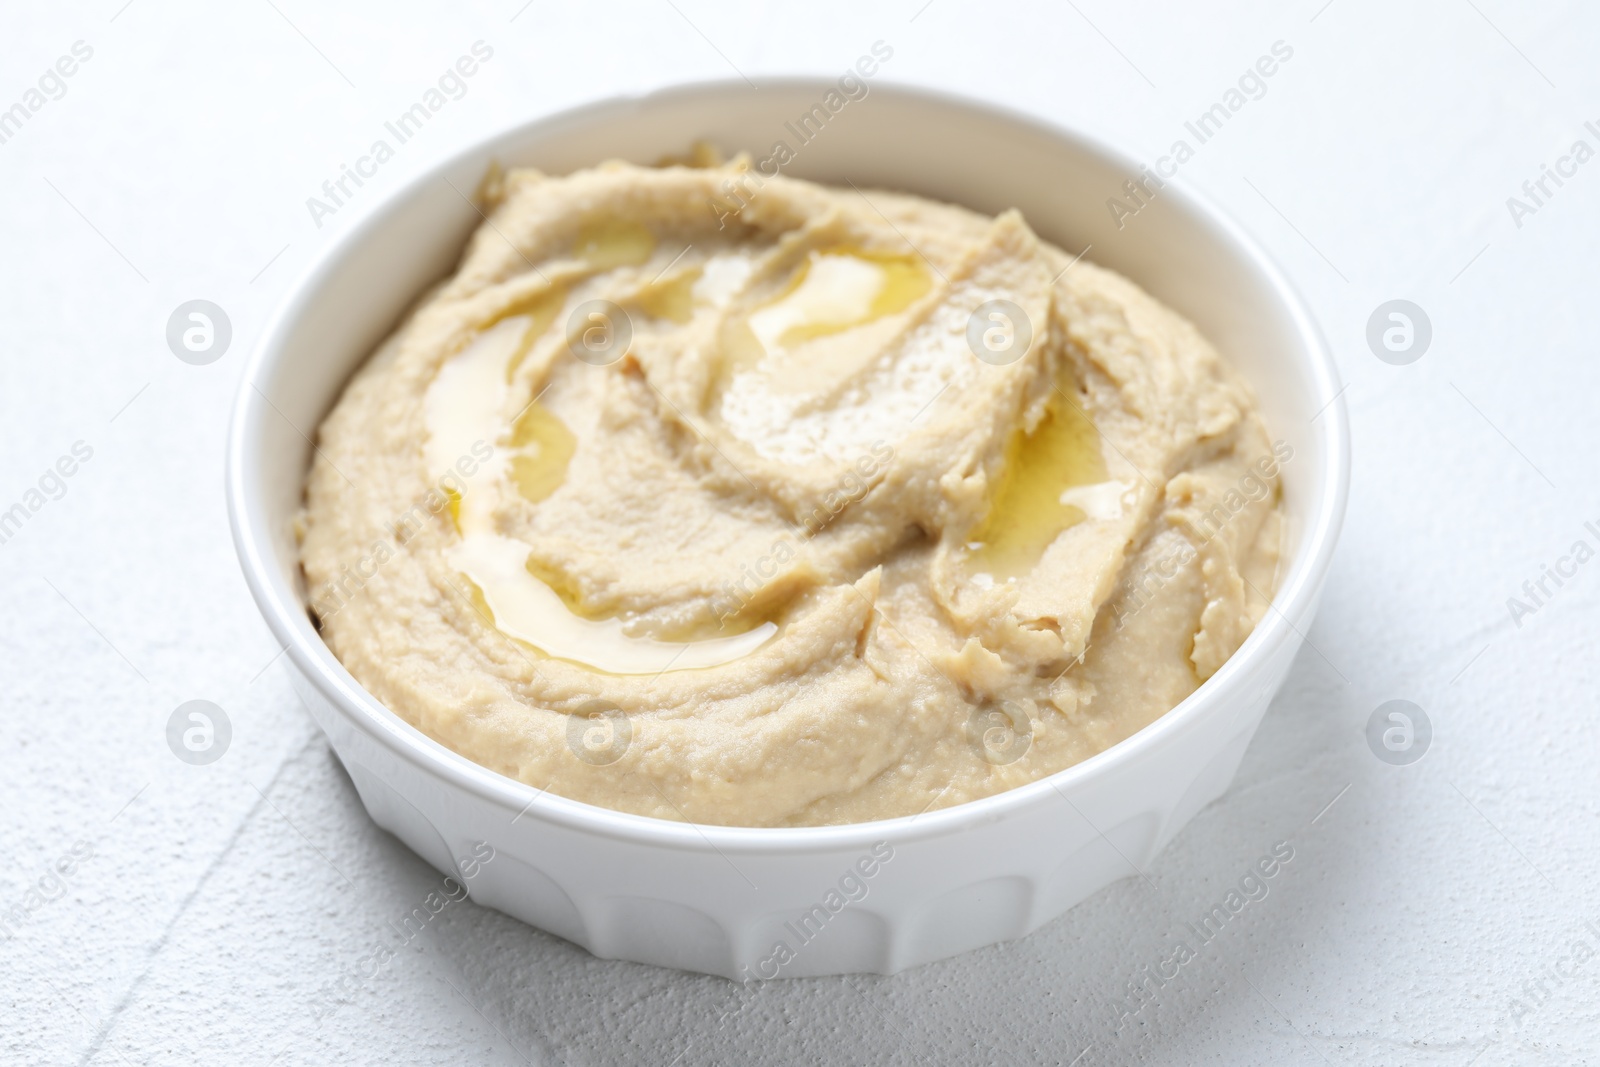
{"x":723,"y":900}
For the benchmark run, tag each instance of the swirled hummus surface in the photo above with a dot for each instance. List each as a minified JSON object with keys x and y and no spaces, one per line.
{"x":766,"y":503}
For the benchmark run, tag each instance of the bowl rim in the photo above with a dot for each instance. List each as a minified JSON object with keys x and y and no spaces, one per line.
{"x":1294,"y":598}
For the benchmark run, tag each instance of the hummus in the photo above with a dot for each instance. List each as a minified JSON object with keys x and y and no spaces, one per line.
{"x":764,"y":503}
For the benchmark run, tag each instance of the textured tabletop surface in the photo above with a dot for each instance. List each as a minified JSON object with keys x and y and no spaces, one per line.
{"x":1440,"y":911}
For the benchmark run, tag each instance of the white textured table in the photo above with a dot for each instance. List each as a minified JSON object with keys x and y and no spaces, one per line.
{"x":1433,"y":913}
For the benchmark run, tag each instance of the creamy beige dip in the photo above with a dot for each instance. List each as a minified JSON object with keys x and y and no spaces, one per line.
{"x":771,"y":504}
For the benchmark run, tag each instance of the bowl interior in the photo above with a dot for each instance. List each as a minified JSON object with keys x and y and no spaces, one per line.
{"x":1177,"y":247}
